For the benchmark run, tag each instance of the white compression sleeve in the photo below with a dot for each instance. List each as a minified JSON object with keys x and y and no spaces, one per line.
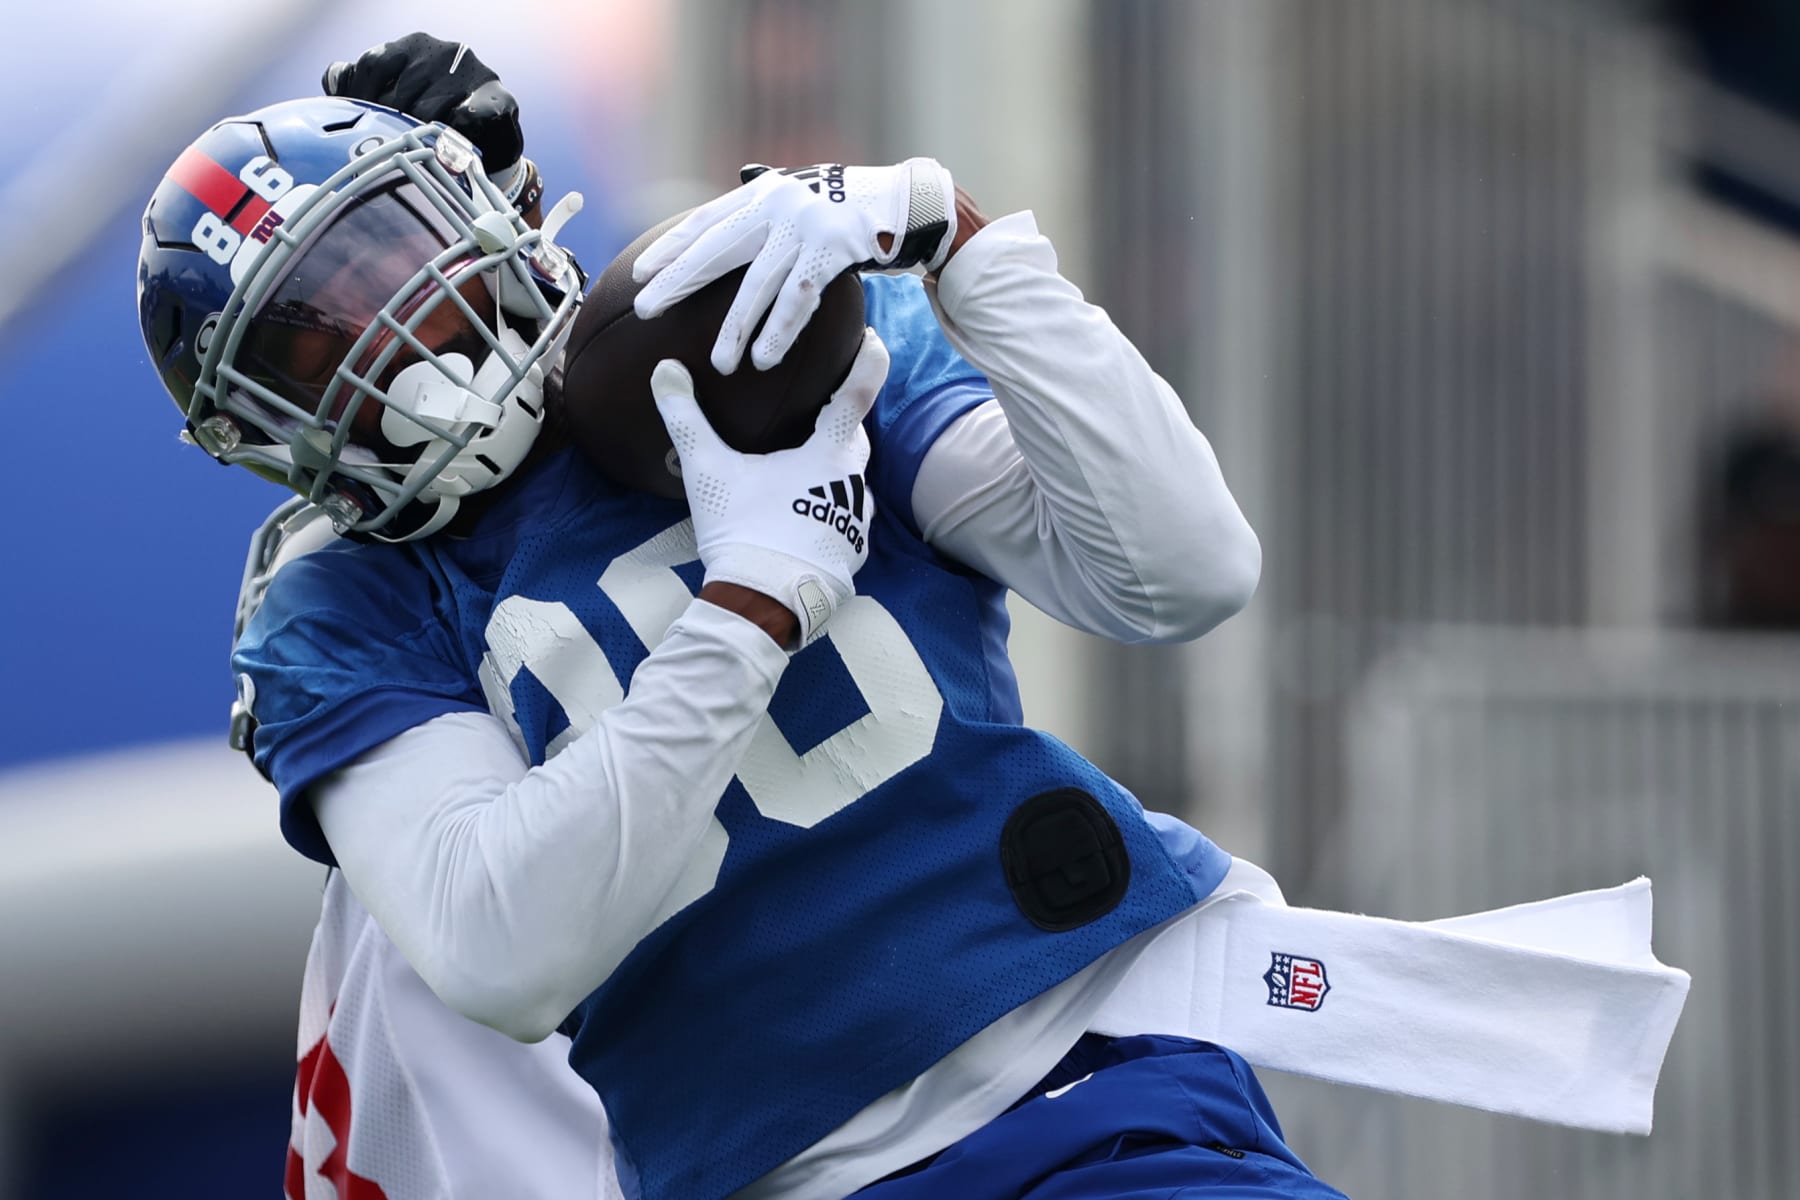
{"x":514,"y":892}
{"x":1086,"y":488}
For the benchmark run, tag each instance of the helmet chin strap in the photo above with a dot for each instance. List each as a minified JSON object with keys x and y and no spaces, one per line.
{"x":423,"y":390}
{"x":442,"y":515}
{"x":505,"y":430}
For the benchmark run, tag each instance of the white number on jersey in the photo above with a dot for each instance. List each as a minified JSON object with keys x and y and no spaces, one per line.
{"x":798,"y":789}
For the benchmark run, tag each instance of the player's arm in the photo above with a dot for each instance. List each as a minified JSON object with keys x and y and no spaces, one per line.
{"x":712,"y":678}
{"x":514,"y":891}
{"x":1083,"y":485}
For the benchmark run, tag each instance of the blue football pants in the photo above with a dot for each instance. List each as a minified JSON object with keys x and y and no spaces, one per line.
{"x":1140,"y":1117}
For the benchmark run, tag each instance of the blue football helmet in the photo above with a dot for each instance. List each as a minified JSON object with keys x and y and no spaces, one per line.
{"x":339,"y":298}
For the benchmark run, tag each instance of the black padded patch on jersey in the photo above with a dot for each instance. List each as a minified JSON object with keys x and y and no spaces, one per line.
{"x":1064,"y":859}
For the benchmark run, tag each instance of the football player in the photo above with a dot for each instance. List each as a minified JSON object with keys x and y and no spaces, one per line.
{"x":739,"y":802}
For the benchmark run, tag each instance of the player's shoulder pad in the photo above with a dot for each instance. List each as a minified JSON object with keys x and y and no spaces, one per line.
{"x":338,"y":598}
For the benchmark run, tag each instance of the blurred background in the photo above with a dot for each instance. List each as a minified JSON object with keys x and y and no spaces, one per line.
{"x":1491,"y":309}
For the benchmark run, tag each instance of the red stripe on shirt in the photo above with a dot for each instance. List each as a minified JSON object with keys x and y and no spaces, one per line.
{"x":208,"y":182}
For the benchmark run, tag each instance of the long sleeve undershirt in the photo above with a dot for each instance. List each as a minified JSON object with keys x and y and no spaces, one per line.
{"x":1083,"y":486}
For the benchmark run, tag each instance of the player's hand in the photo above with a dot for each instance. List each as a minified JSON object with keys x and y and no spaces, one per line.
{"x":798,"y":229}
{"x":430,"y":79}
{"x":794,"y":524}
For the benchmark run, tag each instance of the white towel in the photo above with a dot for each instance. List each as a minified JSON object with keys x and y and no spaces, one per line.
{"x":1556,"y":1010}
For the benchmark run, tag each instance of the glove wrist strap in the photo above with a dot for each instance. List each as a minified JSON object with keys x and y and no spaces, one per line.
{"x":781,"y":577}
{"x":930,"y":215}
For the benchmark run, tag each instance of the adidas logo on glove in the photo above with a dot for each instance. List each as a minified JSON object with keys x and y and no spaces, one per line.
{"x":840,"y":509}
{"x":831,"y":175}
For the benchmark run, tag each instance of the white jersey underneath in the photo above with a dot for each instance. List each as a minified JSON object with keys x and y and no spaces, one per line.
{"x":398,"y":1098}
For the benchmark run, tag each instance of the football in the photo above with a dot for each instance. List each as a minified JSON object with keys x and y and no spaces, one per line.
{"x":606,"y":402}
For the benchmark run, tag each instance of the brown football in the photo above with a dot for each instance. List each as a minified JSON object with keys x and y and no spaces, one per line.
{"x":606,"y":399}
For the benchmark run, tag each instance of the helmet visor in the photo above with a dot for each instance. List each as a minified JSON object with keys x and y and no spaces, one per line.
{"x":364,"y":262}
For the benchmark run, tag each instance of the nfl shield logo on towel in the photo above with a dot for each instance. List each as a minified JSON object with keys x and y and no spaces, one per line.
{"x":1296,"y":982}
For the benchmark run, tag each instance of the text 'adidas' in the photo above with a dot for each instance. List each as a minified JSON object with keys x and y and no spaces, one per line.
{"x":841,"y":508}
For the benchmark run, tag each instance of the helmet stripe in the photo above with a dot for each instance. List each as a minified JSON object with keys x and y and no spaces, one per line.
{"x":253,"y":212}
{"x":208,"y":182}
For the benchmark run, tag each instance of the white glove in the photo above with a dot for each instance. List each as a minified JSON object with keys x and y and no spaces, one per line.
{"x":793,"y":524}
{"x":798,"y":229}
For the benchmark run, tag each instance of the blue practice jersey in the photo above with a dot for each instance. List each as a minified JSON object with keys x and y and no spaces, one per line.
{"x":898,"y":863}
